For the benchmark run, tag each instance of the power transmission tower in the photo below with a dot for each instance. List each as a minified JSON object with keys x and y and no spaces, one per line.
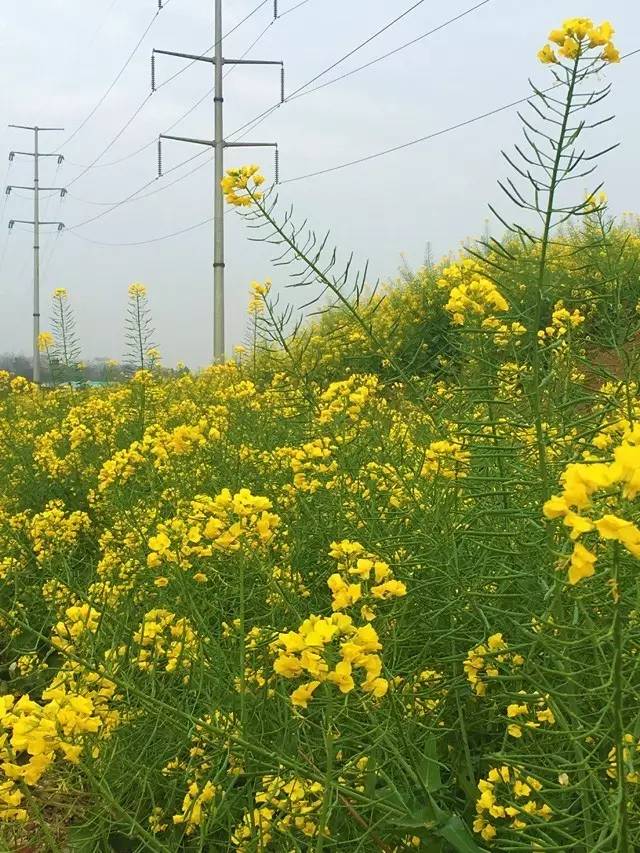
{"x":218,"y":144}
{"x":36,"y":222}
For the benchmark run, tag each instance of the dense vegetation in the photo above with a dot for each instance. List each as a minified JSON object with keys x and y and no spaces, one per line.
{"x":371,"y":585}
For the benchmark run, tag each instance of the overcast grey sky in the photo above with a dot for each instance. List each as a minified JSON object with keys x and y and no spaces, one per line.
{"x":60,"y":56}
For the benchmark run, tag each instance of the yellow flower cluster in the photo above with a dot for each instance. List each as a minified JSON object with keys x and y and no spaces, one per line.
{"x":194,"y":806}
{"x":283,"y":805}
{"x":240,"y":186}
{"x":313,"y":458}
{"x":447,"y":459}
{"x":206,"y":750}
{"x":16,"y":384}
{"x":501,"y":796}
{"x":92,"y":684}
{"x":210,"y":525}
{"x":618,"y":480}
{"x":45,"y":341}
{"x":164,"y":641}
{"x":576,"y":37}
{"x":375,"y":580}
{"x":347,"y":397}
{"x":80,"y":619}
{"x":379,"y":487}
{"x":562,"y":320}
{"x":258,"y":293}
{"x":529,"y":716}
{"x":475,"y":299}
{"x":504,"y":333}
{"x":471,"y":294}
{"x":482,"y":662}
{"x":595,"y":204}
{"x":285,"y":582}
{"x":631,"y":758}
{"x":34,"y":735}
{"x":328,"y":648}
{"x":160,"y":447}
{"x":422,"y":694}
{"x":137,"y":290}
{"x":87,"y":429}
{"x":258,"y":672}
{"x":53,"y":531}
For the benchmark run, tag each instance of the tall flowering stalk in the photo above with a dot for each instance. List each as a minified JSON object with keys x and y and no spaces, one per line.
{"x":64,"y":353}
{"x":141,"y":352}
{"x":46,"y":344}
{"x":256,"y":309}
{"x":551,"y":157}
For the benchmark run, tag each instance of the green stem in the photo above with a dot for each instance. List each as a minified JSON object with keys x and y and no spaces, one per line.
{"x":337,"y":291}
{"x":243,"y":649}
{"x":536,"y":397}
{"x":328,"y":782}
{"x":139,"y":326}
{"x":618,"y":709}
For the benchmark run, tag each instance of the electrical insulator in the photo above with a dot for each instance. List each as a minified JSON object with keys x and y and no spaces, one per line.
{"x":153,"y":72}
{"x":282,"y":84}
{"x":159,"y":158}
{"x":60,"y":159}
{"x":277,"y":165}
{"x":275,"y":9}
{"x":159,"y":5}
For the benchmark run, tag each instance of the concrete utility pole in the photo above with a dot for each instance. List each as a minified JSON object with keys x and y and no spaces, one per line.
{"x":218,"y":144}
{"x":218,"y":199}
{"x":36,"y":189}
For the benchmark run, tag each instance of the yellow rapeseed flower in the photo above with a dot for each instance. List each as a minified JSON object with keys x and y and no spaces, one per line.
{"x":45,"y":341}
{"x":547,"y":55}
{"x":582,"y":564}
{"x":240,"y":186}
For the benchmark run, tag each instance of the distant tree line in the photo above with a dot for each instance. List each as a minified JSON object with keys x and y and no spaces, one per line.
{"x":97,"y":370}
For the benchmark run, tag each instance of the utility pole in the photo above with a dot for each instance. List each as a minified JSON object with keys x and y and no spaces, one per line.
{"x":36,"y":222}
{"x":219,"y":145}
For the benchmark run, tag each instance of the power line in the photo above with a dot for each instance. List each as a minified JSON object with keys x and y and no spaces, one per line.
{"x":152,"y":240}
{"x":258,"y":120}
{"x":250,"y":48}
{"x":360,"y":160}
{"x":209,"y":49}
{"x":394,"y":51}
{"x":293,"y":8}
{"x":359,"y":47}
{"x":429,"y":136}
{"x":105,"y":17}
{"x":114,"y":204}
{"x":149,"y":144}
{"x":113,"y":83}
{"x":329,"y":68}
{"x":124,"y":127}
{"x":132,"y":195}
{"x":152,"y":142}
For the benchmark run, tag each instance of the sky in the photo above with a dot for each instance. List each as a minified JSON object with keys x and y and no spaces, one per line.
{"x":60,"y":58}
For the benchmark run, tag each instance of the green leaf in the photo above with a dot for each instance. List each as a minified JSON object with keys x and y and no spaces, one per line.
{"x":457,"y":834}
{"x":82,"y":839}
{"x":417,"y":816}
{"x":428,"y":768}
